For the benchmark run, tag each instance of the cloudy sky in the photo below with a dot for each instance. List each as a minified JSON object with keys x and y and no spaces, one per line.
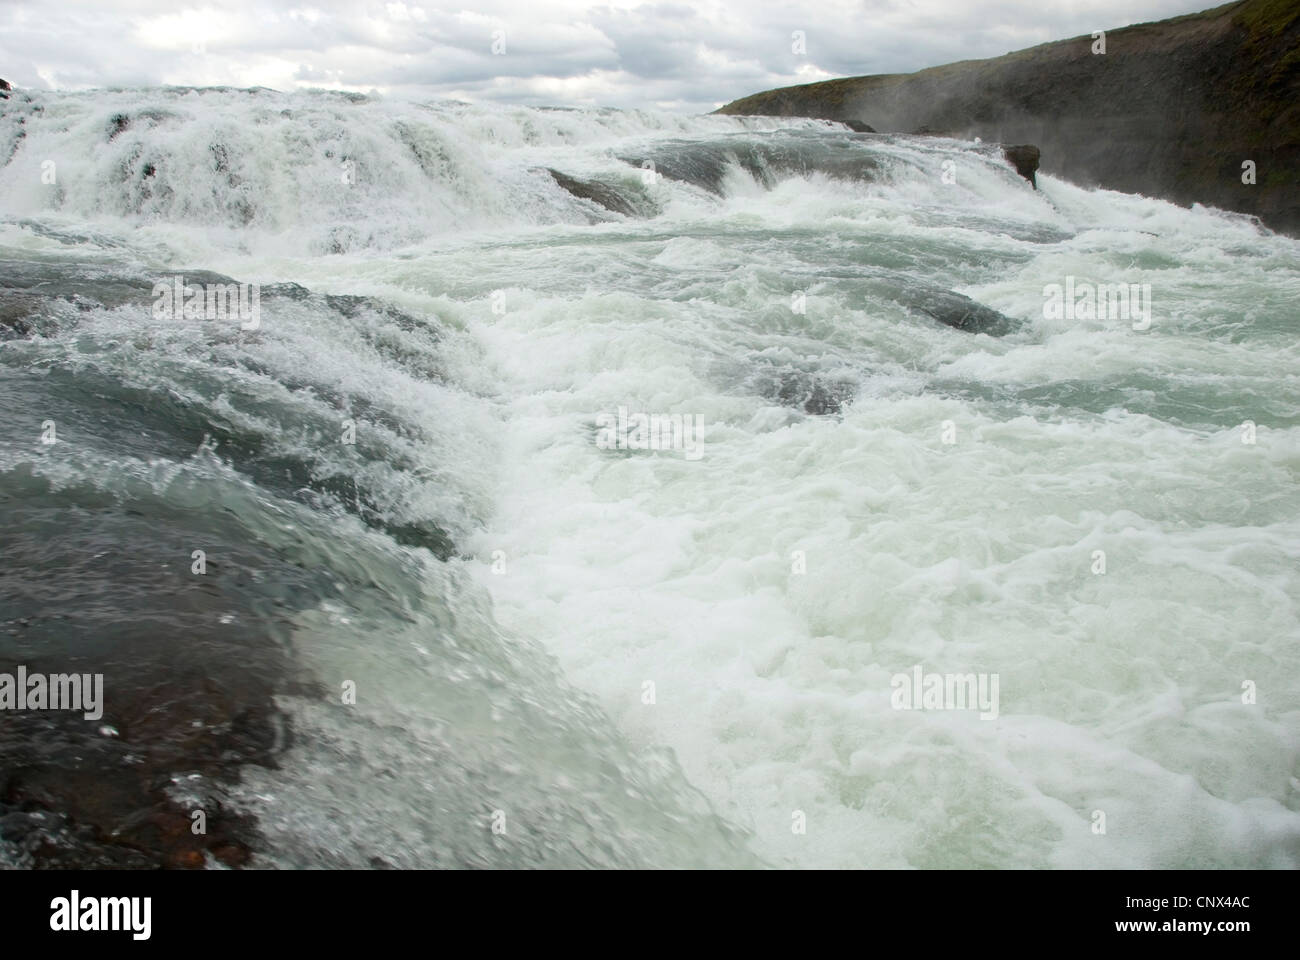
{"x":686,"y":55}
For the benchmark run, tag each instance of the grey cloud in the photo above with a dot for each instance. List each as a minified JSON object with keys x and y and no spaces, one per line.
{"x":673,"y":55}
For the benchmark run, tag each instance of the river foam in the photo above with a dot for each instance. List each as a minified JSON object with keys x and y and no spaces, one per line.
{"x":697,"y":653}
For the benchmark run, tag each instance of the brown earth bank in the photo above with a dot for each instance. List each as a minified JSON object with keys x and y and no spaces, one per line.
{"x":1171,"y":109}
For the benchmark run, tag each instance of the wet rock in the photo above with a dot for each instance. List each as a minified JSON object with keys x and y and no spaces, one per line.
{"x":18,"y":314}
{"x":707,"y":164}
{"x":953,"y":309}
{"x":1024,"y":158}
{"x":595,"y":191}
{"x":814,"y":391}
{"x":816,"y":397}
{"x":190,"y":696}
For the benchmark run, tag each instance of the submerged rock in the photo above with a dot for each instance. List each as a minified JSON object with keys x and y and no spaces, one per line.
{"x":103,"y":792}
{"x":813,"y":396}
{"x":595,"y":191}
{"x":706,"y":164}
{"x":18,"y":314}
{"x":954,"y":310}
{"x":116,"y":124}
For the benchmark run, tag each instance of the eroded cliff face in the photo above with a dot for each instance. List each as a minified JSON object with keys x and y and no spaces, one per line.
{"x":1171,"y":109}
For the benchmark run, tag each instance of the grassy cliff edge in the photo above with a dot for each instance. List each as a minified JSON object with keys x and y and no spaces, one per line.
{"x":1171,"y":109}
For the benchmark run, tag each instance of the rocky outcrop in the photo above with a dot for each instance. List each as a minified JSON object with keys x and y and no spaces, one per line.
{"x":595,"y":191}
{"x":1025,"y":159}
{"x":4,"y":89}
{"x":1203,"y":108}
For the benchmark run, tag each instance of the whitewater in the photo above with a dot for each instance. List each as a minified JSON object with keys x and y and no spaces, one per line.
{"x":565,"y":652}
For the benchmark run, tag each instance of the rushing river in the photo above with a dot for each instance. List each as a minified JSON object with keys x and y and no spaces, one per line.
{"x":373,"y":581}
